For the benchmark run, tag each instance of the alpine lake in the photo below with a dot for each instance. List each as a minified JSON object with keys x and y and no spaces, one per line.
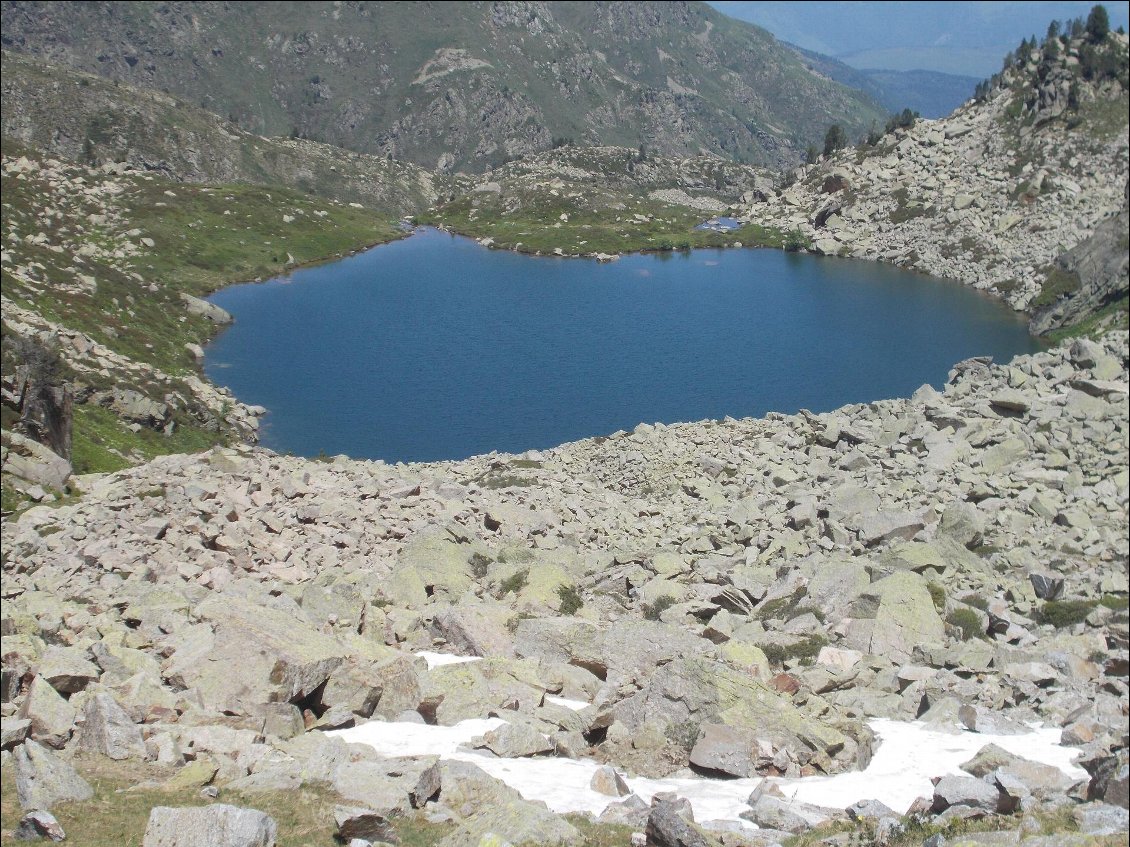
{"x":433,"y":347}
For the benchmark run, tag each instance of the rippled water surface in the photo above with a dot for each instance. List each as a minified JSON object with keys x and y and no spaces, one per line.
{"x":436,"y":348}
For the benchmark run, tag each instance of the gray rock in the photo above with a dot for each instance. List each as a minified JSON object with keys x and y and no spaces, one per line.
{"x":730,"y":750}
{"x":666,"y":827}
{"x":965,"y":791}
{"x":1102,"y":819}
{"x":885,"y":525}
{"x":43,"y":779}
{"x":988,"y":759}
{"x":980,"y":719}
{"x":515,"y":740}
{"x":631,"y":811}
{"x":363,"y":823}
{"x":607,"y":780}
{"x":67,"y":669}
{"x":864,"y":809}
{"x":369,"y":783}
{"x":13,"y":731}
{"x":39,"y":824}
{"x":427,"y":786}
{"x":1046,"y":587}
{"x":772,"y":812}
{"x":108,"y":730}
{"x":517,"y":822}
{"x":906,"y":617}
{"x":196,"y":306}
{"x":52,"y":718}
{"x":217,"y":825}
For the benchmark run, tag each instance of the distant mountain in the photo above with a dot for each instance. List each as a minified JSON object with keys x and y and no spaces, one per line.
{"x":930,"y":93}
{"x":460,"y":85}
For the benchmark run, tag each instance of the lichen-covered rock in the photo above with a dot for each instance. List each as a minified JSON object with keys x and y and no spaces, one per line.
{"x":44,"y":780}
{"x":217,"y":825}
{"x":515,"y":822}
{"x":108,"y":730}
{"x":52,"y":718}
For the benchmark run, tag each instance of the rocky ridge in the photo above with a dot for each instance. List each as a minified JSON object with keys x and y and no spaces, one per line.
{"x":460,"y":87}
{"x":764,"y":586}
{"x":991,"y":195}
{"x":601,"y":202}
{"x":92,"y":121}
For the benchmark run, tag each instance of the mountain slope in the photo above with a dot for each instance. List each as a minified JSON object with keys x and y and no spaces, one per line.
{"x":460,"y":85}
{"x":991,"y":195}
{"x":88,"y":119}
{"x":102,"y":268}
{"x":930,"y":93}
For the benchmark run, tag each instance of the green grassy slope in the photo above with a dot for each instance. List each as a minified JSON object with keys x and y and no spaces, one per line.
{"x":107,"y":255}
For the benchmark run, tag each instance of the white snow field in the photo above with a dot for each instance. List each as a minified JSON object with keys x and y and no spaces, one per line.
{"x":907,"y":756}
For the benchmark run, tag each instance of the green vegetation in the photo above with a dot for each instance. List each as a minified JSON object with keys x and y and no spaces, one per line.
{"x":1098,"y":24}
{"x":1058,"y":283}
{"x":104,"y":443}
{"x":915,"y":831}
{"x":781,"y":608}
{"x":536,"y":228}
{"x":1064,"y":613}
{"x":834,"y":139}
{"x":514,"y":583}
{"x":571,"y":600}
{"x":653,"y":611}
{"x":804,"y":650}
{"x":967,"y":621}
{"x":1115,"y":315}
{"x":796,"y":240}
{"x":480,"y":565}
{"x":938,"y":595}
{"x":533,"y":99}
{"x":114,"y":264}
{"x":905,"y":208}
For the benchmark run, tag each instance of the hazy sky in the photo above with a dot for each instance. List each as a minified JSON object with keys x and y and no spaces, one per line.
{"x":962,"y":37}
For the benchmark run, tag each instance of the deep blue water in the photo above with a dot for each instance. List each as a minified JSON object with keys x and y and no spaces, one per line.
{"x":436,"y":348}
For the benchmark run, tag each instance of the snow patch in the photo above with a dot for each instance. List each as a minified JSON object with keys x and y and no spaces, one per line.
{"x":908,"y":755}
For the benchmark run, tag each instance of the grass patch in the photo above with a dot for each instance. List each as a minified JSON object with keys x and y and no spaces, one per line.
{"x":103,"y":443}
{"x":612,"y":225}
{"x":1064,"y":613}
{"x":1058,"y":283}
{"x":1115,"y":315}
{"x":916,"y":831}
{"x":967,"y":621}
{"x":514,"y":583}
{"x":653,"y":611}
{"x":805,"y":650}
{"x":571,"y":600}
{"x":938,"y":595}
{"x":782,"y":608}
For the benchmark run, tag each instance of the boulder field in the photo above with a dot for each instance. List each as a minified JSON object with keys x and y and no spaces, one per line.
{"x":731,"y":599}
